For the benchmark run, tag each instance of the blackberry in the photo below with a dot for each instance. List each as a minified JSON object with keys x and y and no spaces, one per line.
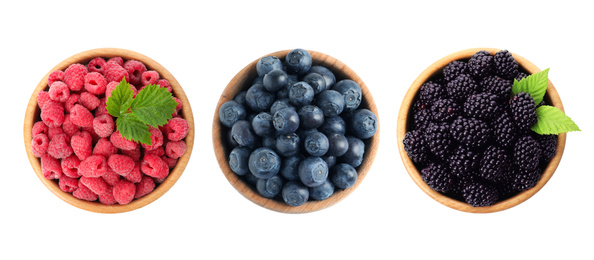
{"x":438,"y":140}
{"x":481,"y":64}
{"x":495,"y":160}
{"x":431,"y":92}
{"x":505,"y":64}
{"x":481,"y":106}
{"x":437,"y":176}
{"x":454,"y":69}
{"x":480,"y":194}
{"x":498,"y":86}
{"x":548,"y":146}
{"x":520,"y":76}
{"x":415,"y":146}
{"x":419,"y":105}
{"x":527,"y":153}
{"x":523,"y":111}
{"x":471,"y":132}
{"x":504,"y":130}
{"x":524,"y":179}
{"x":459,"y":183}
{"x":461,"y":87}
{"x":422,"y":118}
{"x":445,"y":110}
{"x":463,"y":161}
{"x":504,"y":183}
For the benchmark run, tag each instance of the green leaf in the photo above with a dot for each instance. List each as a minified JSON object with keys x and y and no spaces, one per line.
{"x":133,"y":129}
{"x":153,"y":105}
{"x":535,"y":85}
{"x":120,"y":99}
{"x":552,"y":120}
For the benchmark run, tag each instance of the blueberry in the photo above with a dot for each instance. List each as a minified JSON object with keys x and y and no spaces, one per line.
{"x":316,"y":144}
{"x":298,"y":61}
{"x":316,"y":81}
{"x":251,"y":178}
{"x":269,"y":141}
{"x":326,"y":73}
{"x":267,"y":64}
{"x":275,"y":80}
{"x":295,"y":193}
{"x":258,"y":80}
{"x":333,"y":124}
{"x":258,"y":98}
{"x":238,"y":160}
{"x":351,"y":91}
{"x":310,"y":116}
{"x":363,"y":123}
{"x":280,"y":103}
{"x":240,"y":98}
{"x":264,"y":163}
{"x":313,"y":171}
{"x":338,"y":144}
{"x":331,"y":102}
{"x":322,"y":192}
{"x":354,"y":155}
{"x":243,"y":134}
{"x":230,"y":141}
{"x":344,"y":175}
{"x":301,"y":94}
{"x":271,"y":187}
{"x":283,"y":93}
{"x":290,"y":167}
{"x":231,"y":112}
{"x":303,"y":133}
{"x":287,"y":145}
{"x":262,"y":124}
{"x":330,"y":160}
{"x":285,"y":120}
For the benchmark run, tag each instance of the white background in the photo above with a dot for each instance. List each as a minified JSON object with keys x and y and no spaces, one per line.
{"x":204,"y":44}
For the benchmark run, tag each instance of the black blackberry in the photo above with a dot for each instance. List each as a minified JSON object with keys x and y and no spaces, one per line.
{"x":463,"y":161}
{"x":495,"y":160}
{"x":481,"y":106}
{"x":439,"y":140}
{"x":437,"y":176}
{"x":431,"y":92}
{"x":471,"y":132}
{"x":520,"y":76}
{"x":415,"y":146}
{"x":445,"y":110}
{"x":481,"y":64}
{"x":419,"y":105}
{"x":459,"y":183}
{"x":504,"y":130}
{"x":498,"y":86}
{"x":505,"y":64}
{"x":525,"y":179}
{"x":548,"y":146}
{"x":526,"y":153}
{"x":480,"y":194}
{"x":461,"y":87}
{"x":422,"y":118}
{"x":454,"y":69}
{"x":523,"y":111}
{"x":504,"y":183}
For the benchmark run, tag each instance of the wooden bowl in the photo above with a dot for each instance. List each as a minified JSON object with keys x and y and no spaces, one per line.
{"x":32,"y":116}
{"x":242,"y":81}
{"x":403,"y":126}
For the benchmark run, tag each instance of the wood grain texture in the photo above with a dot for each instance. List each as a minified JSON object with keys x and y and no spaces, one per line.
{"x":242,"y":81}
{"x":414,"y":173}
{"x":32,"y":116}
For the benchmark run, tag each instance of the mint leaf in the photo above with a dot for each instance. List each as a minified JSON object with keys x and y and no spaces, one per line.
{"x":552,"y":120}
{"x":535,"y":85}
{"x":120,"y":99}
{"x":133,"y":129}
{"x":153,"y":105}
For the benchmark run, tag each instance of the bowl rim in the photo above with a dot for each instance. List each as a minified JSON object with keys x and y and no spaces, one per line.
{"x":414,"y":173}
{"x":32,"y":116}
{"x":247,"y":74}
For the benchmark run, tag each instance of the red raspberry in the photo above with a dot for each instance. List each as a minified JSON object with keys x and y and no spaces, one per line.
{"x":134,"y":154}
{"x":96,"y":65}
{"x":91,"y":131}
{"x":95,"y":184}
{"x":81,"y":116}
{"x":156,"y":139}
{"x":169,"y":161}
{"x":120,"y":142}
{"x":89,"y":100}
{"x":154,"y":166}
{"x":135,"y":69}
{"x":39,"y":145}
{"x":117,"y":60}
{"x":59,"y":146}
{"x":53,"y":131}
{"x":39,"y":128}
{"x":93,"y":166}
{"x":177,"y":129}
{"x":59,"y":91}
{"x":68,"y":184}
{"x":50,"y":167}
{"x":84,"y":193}
{"x":82,"y":144}
{"x":42,"y":97}
{"x":175,"y":149}
{"x":95,"y":83}
{"x":110,"y":87}
{"x":103,"y":125}
{"x":52,"y":114}
{"x":124,"y":191}
{"x":104,"y":148}
{"x":165,"y":84}
{"x":120,"y":164}
{"x":144,"y":187}
{"x":70,"y":166}
{"x":159,"y":180}
{"x":160,"y":151}
{"x":74,"y":76}
{"x":102,"y":108}
{"x":70,"y":102}
{"x":110,"y":177}
{"x":68,"y":127}
{"x":56,"y":75}
{"x":114,"y":72}
{"x":134,"y":175}
{"x":149,"y":77}
{"x":107,"y":198}
{"x":179,"y":104}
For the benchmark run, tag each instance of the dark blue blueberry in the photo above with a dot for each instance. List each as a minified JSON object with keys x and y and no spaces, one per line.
{"x":303,"y":133}
{"x":269,"y":141}
{"x":231,"y":112}
{"x":243,"y":134}
{"x":287,"y":145}
{"x":323,"y":191}
{"x":298,"y":61}
{"x":339,"y":144}
{"x":330,"y":160}
{"x":251,"y":178}
{"x":258,"y":98}
{"x":290,"y":167}
{"x":262,"y":124}
{"x":280,"y":103}
{"x":258,"y":80}
{"x":275,"y":80}
{"x":316,"y":81}
{"x":363,"y":123}
{"x":313,"y":171}
{"x":285,"y":120}
{"x":351,"y":91}
{"x":264,"y":163}
{"x":267,"y":64}
{"x":331,"y":102}
{"x":301,"y":94}
{"x":238,"y":160}
{"x":230,"y":141}
{"x":240,"y":98}
{"x":316,"y":144}
{"x":283,"y":93}
{"x":354,"y":155}
{"x":344,"y":176}
{"x":271,"y":187}
{"x":326,"y":73}
{"x":295,"y":193}
{"x":310,"y":116}
{"x":333,"y":124}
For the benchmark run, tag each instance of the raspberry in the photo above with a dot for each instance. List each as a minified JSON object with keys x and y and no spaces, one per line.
{"x":471,"y":132}
{"x":455,"y":69}
{"x":102,"y":108}
{"x":70,"y":102}
{"x":93,"y":166}
{"x":439,"y":140}
{"x":56,"y":75}
{"x":53,"y":131}
{"x":415,"y":146}
{"x":120,"y":164}
{"x":107,"y":198}
{"x":39,"y":145}
{"x":39,"y":128}
{"x":495,"y":160}
{"x":120,"y":142}
{"x":50,"y":167}
{"x":68,"y":127}
{"x":95,"y":184}
{"x":84,"y":193}
{"x":171,"y":162}
{"x":110,"y":177}
{"x":523,"y":111}
{"x":431,"y":92}
{"x":117,"y":60}
{"x":149,"y":77}
{"x":481,"y":64}
{"x":445,"y":110}
{"x":144,"y":187}
{"x":177,"y":129}
{"x":110,"y":87}
{"x":175,"y":149}
{"x":527,"y":153}
{"x":52,"y":114}
{"x":154,"y":166}
{"x":135,"y":69}
{"x":504,"y":130}
{"x":481,"y":106}
{"x":42,"y":98}
{"x":462,"y":87}
{"x":74,"y":76}
{"x":525,"y":179}
{"x":82,"y":145}
{"x":463,"y":162}
{"x":91,"y":131}
{"x":81,"y":116}
{"x":165,"y":84}
{"x":134,"y":175}
{"x":156,"y":139}
{"x":103,"y":125}
{"x":178,"y":107}
{"x":159,"y":151}
{"x":505,"y":64}
{"x":96,"y":65}
{"x":68,"y":184}
{"x":70,"y":165}
{"x":59,"y":91}
{"x":548,"y":146}
{"x":95,"y":83}
{"x":437,"y":176}
{"x":479,"y":194}
{"x":134,"y":154}
{"x":497,"y":86}
{"x":114,"y":72}
{"x":89,"y":101}
{"x":59,"y":146}
{"x":159,"y":180}
{"x":124,"y":191}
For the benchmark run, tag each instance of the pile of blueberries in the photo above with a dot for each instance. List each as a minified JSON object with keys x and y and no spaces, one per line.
{"x":296,"y":133}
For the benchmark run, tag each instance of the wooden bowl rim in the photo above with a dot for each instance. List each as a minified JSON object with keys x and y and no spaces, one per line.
{"x":238,"y":82}
{"x":32,"y":114}
{"x":414,"y":173}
